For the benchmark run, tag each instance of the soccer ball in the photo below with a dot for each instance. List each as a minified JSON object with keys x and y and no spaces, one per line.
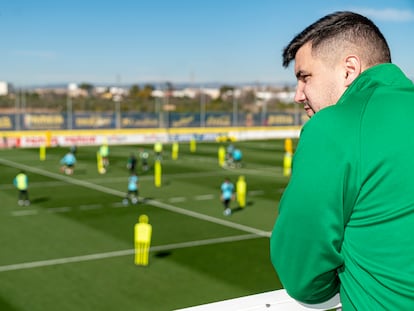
{"x":102,"y":170}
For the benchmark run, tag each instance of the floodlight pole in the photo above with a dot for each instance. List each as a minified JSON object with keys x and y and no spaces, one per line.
{"x":69,"y":112}
{"x":17,"y":110}
{"x":22,"y":104}
{"x":235,"y":109}
{"x":202,"y":108}
{"x":118,"y":113}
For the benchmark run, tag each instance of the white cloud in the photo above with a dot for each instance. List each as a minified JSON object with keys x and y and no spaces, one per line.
{"x":390,"y":15}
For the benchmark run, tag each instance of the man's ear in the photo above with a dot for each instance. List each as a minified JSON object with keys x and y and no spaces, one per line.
{"x":353,"y":69}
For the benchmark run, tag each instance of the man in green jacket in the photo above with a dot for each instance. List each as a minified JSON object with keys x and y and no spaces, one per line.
{"x":346,"y":218}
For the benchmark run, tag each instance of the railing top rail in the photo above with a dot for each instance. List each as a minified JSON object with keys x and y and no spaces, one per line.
{"x":277,"y":300}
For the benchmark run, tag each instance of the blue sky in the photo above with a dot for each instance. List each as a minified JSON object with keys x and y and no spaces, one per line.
{"x":136,"y":41}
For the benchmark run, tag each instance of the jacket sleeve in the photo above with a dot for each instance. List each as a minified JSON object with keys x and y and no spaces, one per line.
{"x":307,"y":236}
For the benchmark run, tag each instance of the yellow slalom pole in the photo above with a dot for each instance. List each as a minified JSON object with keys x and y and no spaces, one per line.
{"x":48,"y":138}
{"x":157,"y":173}
{"x":42,"y":153}
{"x":100,"y":164}
{"x":287,"y":164}
{"x":288,"y":145}
{"x":193,"y":145}
{"x":175,"y":148}
{"x":287,"y":159}
{"x":241,"y":189}
{"x":142,"y":240}
{"x":222,"y":156}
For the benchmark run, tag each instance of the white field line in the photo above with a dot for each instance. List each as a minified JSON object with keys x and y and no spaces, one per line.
{"x":63,"y":178}
{"x":154,"y":203}
{"x":42,"y":184}
{"x":204,"y":197}
{"x":98,"y":256}
{"x":177,"y":199}
{"x":215,"y":220}
{"x":25,"y":213}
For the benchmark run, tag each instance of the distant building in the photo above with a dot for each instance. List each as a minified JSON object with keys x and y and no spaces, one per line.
{"x":5,"y":88}
{"x":282,"y":96}
{"x":74,"y":90}
{"x":214,"y":93}
{"x":286,"y":97}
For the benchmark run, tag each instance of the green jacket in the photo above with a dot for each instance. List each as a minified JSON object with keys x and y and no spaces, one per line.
{"x":346,"y":218}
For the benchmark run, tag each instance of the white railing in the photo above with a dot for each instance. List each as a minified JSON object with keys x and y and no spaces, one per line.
{"x":277,"y":300}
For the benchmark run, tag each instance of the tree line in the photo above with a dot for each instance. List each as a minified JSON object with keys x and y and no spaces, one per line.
{"x":137,"y":99}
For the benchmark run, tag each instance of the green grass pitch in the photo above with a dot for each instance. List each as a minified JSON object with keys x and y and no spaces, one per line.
{"x":72,"y":248}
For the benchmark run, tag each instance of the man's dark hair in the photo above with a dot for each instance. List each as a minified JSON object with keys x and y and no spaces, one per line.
{"x":340,"y":30}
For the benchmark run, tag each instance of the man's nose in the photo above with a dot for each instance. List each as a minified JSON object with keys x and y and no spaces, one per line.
{"x":300,"y":97}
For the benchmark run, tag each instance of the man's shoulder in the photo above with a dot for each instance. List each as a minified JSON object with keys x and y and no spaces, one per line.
{"x":340,"y":116}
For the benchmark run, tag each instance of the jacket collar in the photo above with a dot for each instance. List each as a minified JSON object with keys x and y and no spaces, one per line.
{"x":380,"y":75}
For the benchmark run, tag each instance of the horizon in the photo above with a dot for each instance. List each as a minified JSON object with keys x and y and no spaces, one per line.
{"x":157,"y":85}
{"x":132,"y":42}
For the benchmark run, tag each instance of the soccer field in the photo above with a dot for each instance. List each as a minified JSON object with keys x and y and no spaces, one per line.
{"x":72,"y":248}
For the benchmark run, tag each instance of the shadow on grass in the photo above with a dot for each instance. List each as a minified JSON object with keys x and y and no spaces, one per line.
{"x":6,"y":305}
{"x":162,"y":254}
{"x":239,"y":209}
{"x":145,"y":200}
{"x":39,"y":200}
